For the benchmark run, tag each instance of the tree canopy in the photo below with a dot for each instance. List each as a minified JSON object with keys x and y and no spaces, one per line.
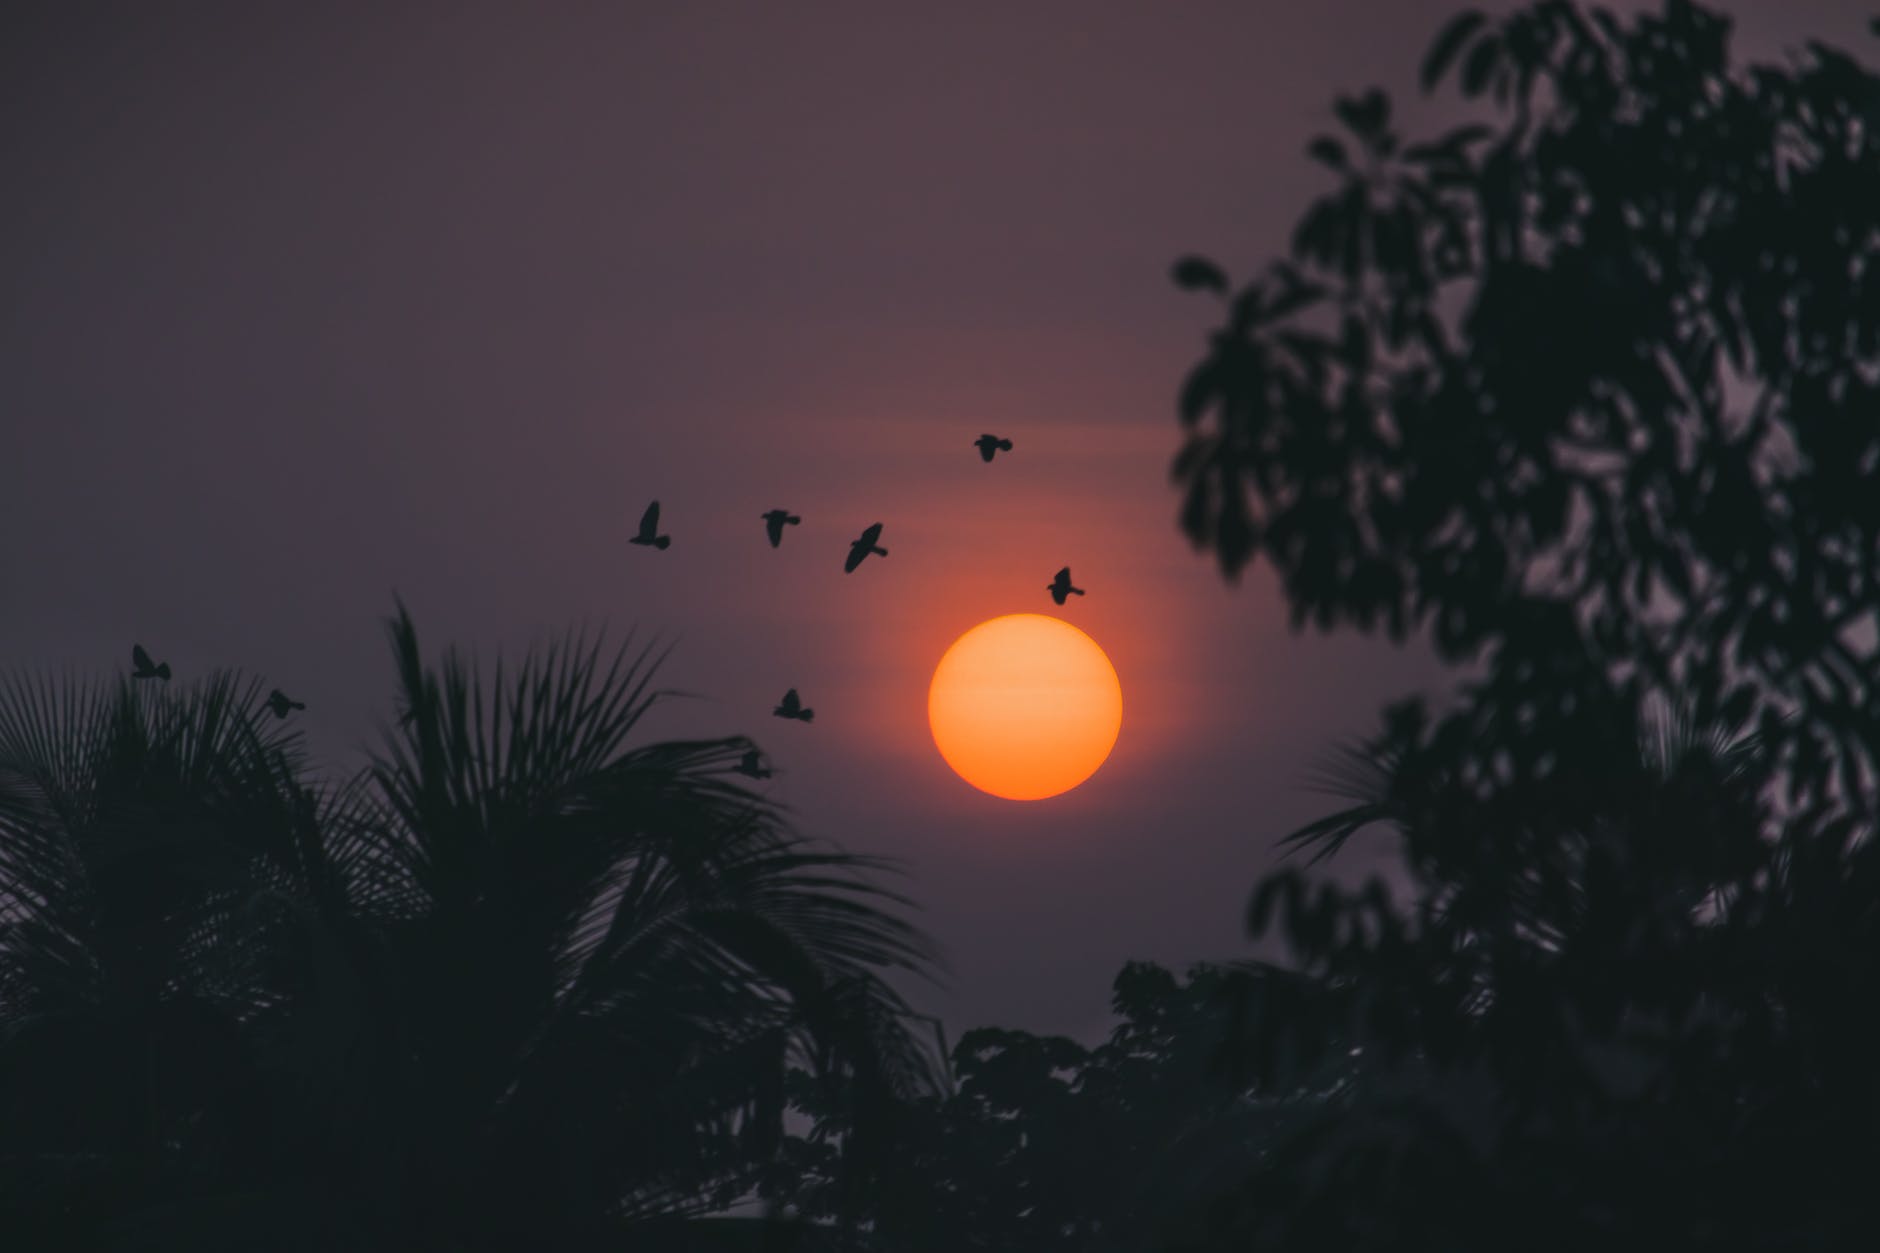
{"x":1585,"y":390}
{"x":1045,"y":1144}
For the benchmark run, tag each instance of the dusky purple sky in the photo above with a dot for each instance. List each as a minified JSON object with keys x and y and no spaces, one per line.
{"x":303,"y":305}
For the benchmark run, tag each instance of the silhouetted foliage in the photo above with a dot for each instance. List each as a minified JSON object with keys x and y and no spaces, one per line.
{"x":1605,"y":1006}
{"x":1586,"y":390}
{"x":1044,"y":1144}
{"x":520,"y":984}
{"x":1589,"y":394}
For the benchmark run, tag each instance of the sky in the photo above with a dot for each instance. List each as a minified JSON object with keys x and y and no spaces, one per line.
{"x":304,"y":307}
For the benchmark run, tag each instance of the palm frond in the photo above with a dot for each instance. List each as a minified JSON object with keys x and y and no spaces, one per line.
{"x":466,"y":783}
{"x":130,"y":818}
{"x":625,"y":943}
{"x":1365,"y":772}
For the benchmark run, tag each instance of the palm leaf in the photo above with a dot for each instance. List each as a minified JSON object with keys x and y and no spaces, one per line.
{"x":1365,"y":773}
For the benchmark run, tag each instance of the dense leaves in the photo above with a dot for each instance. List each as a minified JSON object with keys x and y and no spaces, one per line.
{"x":1591,"y":387}
{"x":1044,"y":1144}
{"x":520,"y":983}
{"x":1641,"y":1005}
{"x":1591,"y":401}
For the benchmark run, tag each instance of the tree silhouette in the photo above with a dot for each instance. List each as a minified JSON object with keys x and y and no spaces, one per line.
{"x":1585,"y":389}
{"x":1586,"y":392}
{"x":519,"y":984}
{"x":1588,"y":1014}
{"x":133,"y":823}
{"x":1044,"y":1144}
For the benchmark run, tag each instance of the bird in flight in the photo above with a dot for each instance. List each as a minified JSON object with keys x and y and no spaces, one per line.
{"x":649,"y":535}
{"x":989,"y":444}
{"x":1060,"y":587}
{"x":859,"y":550}
{"x":752,"y":765}
{"x":142,"y":667}
{"x":775,"y":521}
{"x":792,"y":707}
{"x":278,"y":702}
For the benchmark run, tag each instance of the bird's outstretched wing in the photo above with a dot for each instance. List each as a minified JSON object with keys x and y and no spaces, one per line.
{"x":1064,"y":576}
{"x":140,"y":658}
{"x":791,"y":701}
{"x":773,"y":526}
{"x":649,"y":521}
{"x":872,"y":534}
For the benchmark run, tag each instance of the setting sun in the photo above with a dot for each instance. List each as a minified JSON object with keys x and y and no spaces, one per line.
{"x":1025,"y":706}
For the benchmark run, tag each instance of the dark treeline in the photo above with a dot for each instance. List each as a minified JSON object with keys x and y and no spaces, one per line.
{"x":1586,"y":392}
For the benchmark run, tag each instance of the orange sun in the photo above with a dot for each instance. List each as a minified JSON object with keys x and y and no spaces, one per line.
{"x":1025,"y":706}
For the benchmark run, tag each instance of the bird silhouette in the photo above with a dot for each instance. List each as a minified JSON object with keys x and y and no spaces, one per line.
{"x":143,"y":668}
{"x":989,"y":444}
{"x":859,"y":550}
{"x":1060,"y":587}
{"x":649,"y":535}
{"x":792,"y":707}
{"x":775,"y":521}
{"x":1199,"y":274}
{"x":278,"y":702}
{"x":752,"y":765}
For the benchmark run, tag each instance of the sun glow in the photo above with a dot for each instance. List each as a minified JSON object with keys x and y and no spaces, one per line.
{"x":1025,"y":706}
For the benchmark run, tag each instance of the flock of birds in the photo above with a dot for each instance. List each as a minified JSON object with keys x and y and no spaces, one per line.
{"x":863,"y":547}
{"x":791,"y":707}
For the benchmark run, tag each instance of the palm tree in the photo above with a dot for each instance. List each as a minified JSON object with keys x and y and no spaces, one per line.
{"x":131,"y":822}
{"x":518,"y":983}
